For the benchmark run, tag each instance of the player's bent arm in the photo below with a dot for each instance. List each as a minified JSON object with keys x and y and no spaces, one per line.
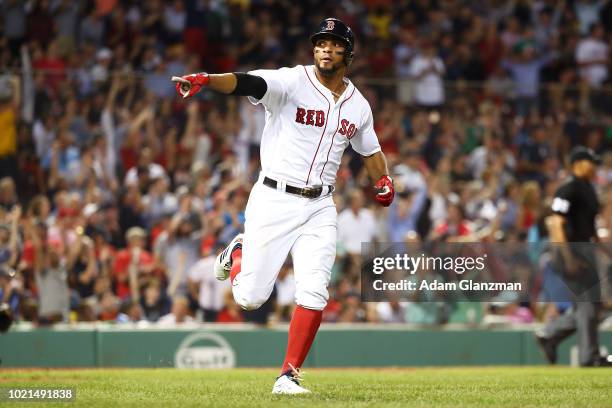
{"x":376,"y":165}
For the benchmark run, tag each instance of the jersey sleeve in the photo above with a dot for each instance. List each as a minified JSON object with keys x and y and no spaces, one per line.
{"x":562,"y":201}
{"x":279,"y":83}
{"x":365,"y":141}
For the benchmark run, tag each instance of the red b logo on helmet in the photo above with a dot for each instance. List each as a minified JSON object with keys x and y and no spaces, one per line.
{"x":330,"y":25}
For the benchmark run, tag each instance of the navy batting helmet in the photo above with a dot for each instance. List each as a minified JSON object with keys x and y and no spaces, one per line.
{"x":337,"y":28}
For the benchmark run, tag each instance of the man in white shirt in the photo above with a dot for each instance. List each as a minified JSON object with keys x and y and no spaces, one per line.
{"x":285,"y":292}
{"x":210,"y":291}
{"x":592,"y":55}
{"x":145,"y":164}
{"x":179,"y":313}
{"x":356,"y":224}
{"x":427,"y":70}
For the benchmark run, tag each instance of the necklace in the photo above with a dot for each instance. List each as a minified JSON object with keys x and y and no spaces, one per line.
{"x":336,"y":94}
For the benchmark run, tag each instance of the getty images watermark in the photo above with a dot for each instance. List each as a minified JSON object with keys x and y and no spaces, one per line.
{"x":520,"y":272}
{"x":458,"y":265}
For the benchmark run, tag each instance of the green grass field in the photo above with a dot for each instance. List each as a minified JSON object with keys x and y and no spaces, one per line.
{"x":419,"y":387}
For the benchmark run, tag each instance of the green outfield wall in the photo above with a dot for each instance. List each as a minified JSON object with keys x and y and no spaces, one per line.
{"x":220,"y":346}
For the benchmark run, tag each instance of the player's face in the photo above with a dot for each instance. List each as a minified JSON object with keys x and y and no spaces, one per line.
{"x":329,"y":55}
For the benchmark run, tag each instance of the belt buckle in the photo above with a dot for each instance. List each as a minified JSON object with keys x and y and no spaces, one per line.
{"x":311,"y":192}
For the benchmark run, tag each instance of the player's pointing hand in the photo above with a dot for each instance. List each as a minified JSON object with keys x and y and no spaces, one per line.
{"x":189,"y":85}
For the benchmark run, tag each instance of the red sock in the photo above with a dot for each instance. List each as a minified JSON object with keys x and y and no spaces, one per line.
{"x":302,"y":331}
{"x":236,"y":263}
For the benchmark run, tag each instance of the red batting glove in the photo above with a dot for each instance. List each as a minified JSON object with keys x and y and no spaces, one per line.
{"x":189,"y":85}
{"x":384,"y":191}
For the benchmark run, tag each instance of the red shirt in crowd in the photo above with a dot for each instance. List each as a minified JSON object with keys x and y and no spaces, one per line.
{"x":462,"y":229}
{"x":225,"y":316}
{"x":120,"y":270}
{"x":55,"y":69}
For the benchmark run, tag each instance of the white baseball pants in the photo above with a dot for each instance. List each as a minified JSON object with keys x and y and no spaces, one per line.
{"x":276,"y":223}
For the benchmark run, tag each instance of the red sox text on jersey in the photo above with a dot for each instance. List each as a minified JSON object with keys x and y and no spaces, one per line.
{"x":314,"y":117}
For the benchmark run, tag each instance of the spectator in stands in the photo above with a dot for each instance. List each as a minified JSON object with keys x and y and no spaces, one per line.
{"x":427,"y":70}
{"x":14,"y":23}
{"x":525,"y":66}
{"x":10,"y":104}
{"x":285,"y":293}
{"x":356,"y":224}
{"x":404,"y":51}
{"x":175,"y":19}
{"x":391,"y":312}
{"x":158,"y":202}
{"x":179,"y":313}
{"x":63,"y":161}
{"x":132,"y":265}
{"x":9,"y":238}
{"x":203,"y":285}
{"x":50,"y":273}
{"x":10,"y":290}
{"x":491,"y":152}
{"x":593,"y":56}
{"x":231,"y":312}
{"x":178,"y":249}
{"x":534,"y":154}
{"x":547,"y":26}
{"x":530,"y":205}
{"x":82,"y":265}
{"x":109,"y":307}
{"x":587,"y":12}
{"x":454,"y":226}
{"x":405,"y":211}
{"x":154,"y":301}
{"x":131,"y":312}
{"x":146,"y":168}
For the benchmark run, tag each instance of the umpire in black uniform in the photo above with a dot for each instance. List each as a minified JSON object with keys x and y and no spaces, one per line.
{"x":572,"y":230}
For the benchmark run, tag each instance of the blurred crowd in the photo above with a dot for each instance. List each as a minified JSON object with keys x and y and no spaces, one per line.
{"x":116,"y":195}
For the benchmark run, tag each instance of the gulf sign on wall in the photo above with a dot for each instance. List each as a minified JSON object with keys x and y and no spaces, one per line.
{"x":204,"y":350}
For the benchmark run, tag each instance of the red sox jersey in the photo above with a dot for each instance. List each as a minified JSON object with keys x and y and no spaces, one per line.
{"x":306,"y":131}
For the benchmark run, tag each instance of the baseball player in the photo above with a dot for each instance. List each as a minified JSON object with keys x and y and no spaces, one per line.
{"x":312,"y":114}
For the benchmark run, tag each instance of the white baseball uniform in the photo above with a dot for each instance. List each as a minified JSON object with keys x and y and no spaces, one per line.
{"x":304,"y":137}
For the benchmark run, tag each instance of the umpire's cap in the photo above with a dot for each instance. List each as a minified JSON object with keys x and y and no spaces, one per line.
{"x":584,"y":153}
{"x":338,"y":29}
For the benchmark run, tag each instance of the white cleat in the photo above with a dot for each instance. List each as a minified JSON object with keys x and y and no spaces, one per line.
{"x":285,"y":384}
{"x":223,"y":263}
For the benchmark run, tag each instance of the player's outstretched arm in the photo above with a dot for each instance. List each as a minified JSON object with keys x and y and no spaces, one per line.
{"x":376,"y":166}
{"x":237,"y":83}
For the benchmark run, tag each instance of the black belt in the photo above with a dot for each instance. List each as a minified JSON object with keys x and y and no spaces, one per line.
{"x":308,"y":192}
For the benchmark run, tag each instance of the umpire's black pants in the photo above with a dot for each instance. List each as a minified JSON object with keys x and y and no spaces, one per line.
{"x":582,"y":318}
